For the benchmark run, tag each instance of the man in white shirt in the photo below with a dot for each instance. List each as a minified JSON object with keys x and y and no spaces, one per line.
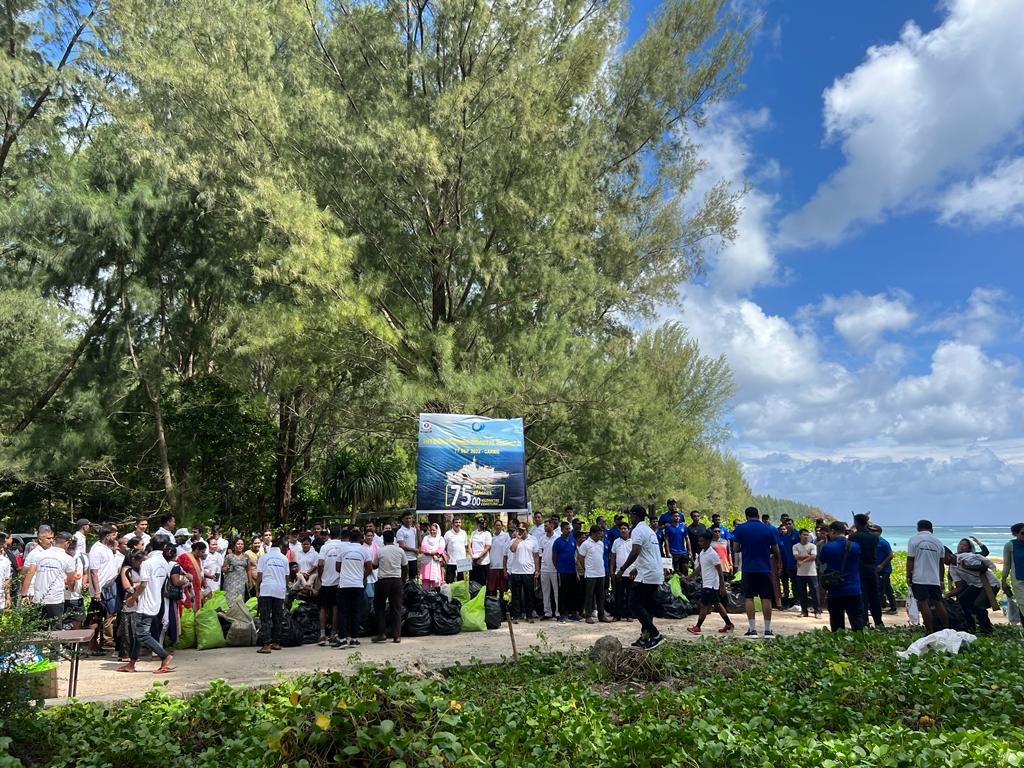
{"x":74,"y":604}
{"x":712,"y":582}
{"x":44,"y":575}
{"x":307,"y":560}
{"x":621,"y":548}
{"x":497,"y":576}
{"x":548,"y":572}
{"x":407,"y":537}
{"x":101,"y":581}
{"x":455,"y":546}
{"x":139,"y":532}
{"x":805,"y":552}
{"x":294,"y":545}
{"x":223,"y":546}
{"x":646,"y":553}
{"x":148,"y":602}
{"x":480,"y":551}
{"x":327,"y":573}
{"x":370,"y":545}
{"x":391,"y":575}
{"x":272,"y":586}
{"x":925,"y":556}
{"x":82,"y":527}
{"x":213,"y":564}
{"x":523,"y":571}
{"x":353,"y":566}
{"x":538,"y":528}
{"x":590,"y":558}
{"x":167,"y":523}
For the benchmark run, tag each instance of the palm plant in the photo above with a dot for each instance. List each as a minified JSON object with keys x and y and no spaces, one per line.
{"x":356,"y":480}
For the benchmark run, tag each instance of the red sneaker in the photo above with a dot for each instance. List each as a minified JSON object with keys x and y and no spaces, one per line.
{"x":693,"y":630}
{"x":727,"y":628}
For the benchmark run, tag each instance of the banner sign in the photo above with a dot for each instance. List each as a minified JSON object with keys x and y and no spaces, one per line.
{"x":470,"y":464}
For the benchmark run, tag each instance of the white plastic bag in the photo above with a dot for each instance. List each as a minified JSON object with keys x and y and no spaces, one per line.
{"x":913,"y":613}
{"x":947,"y":640}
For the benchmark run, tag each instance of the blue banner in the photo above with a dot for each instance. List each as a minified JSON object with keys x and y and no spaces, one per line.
{"x":470,"y":464}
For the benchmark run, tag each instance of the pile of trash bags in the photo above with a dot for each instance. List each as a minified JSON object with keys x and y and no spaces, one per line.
{"x":217,"y":624}
{"x":459,"y":607}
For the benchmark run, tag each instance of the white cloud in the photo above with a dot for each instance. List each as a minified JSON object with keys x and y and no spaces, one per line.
{"x":749,"y":259}
{"x":982,"y":321}
{"x":861,"y":320}
{"x":995,"y":198}
{"x":914,"y":113}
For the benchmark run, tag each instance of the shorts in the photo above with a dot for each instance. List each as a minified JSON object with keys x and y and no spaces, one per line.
{"x":497,"y":580}
{"x":926,"y":591}
{"x":757,"y":585}
{"x":327,"y":597}
{"x":710,"y":597}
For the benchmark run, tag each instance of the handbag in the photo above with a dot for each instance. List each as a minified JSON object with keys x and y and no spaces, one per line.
{"x":171,"y":591}
{"x":830,"y":577}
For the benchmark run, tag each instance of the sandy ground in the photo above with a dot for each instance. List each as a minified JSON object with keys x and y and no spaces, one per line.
{"x":98,"y":680}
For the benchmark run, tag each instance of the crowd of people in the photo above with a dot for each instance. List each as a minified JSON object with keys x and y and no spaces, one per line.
{"x":557,"y":569}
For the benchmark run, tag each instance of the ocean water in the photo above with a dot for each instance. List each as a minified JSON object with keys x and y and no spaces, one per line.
{"x":992,"y":536}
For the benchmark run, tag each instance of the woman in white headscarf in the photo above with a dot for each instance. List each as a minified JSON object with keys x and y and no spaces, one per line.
{"x":433,"y":560}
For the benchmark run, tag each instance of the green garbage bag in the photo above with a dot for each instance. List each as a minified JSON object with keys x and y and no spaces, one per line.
{"x":460,"y":591}
{"x":474,"y":613}
{"x":675,"y":586}
{"x":186,"y":630}
{"x":253,"y":605}
{"x":217,"y":601}
{"x":208,"y":631}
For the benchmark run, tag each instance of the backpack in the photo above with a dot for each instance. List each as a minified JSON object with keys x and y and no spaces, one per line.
{"x":170,"y":591}
{"x":831,"y":578}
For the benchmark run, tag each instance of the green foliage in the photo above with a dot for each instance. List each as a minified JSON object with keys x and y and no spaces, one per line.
{"x":812,"y":699}
{"x":17,"y":625}
{"x":769,"y":505}
{"x":359,"y":480}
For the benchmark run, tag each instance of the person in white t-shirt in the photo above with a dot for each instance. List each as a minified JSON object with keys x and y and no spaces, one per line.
{"x":497,"y":576}
{"x":148,"y":602}
{"x":407,"y":537}
{"x":213,"y":564}
{"x":805,"y":552}
{"x":307,"y":560}
{"x":925,"y":558}
{"x":621,"y":585}
{"x":523,"y":572}
{"x":82,"y":527}
{"x":370,"y":545}
{"x":353,"y":565}
{"x":44,"y":575}
{"x":74,"y":603}
{"x":548,"y":572}
{"x":140,"y":532}
{"x":480,"y":551}
{"x":712,"y":585}
{"x":646,"y":553}
{"x":537,"y":531}
{"x":327,"y":574}
{"x":456,"y":544}
{"x":272,"y":586}
{"x":590,"y":558}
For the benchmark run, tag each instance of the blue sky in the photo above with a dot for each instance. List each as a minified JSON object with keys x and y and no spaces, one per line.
{"x":871,"y":306}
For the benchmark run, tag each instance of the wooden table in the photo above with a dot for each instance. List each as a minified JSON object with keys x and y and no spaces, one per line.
{"x":74,"y":638}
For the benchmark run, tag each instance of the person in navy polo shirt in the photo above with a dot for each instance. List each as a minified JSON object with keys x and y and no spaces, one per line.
{"x":563,"y":553}
{"x":841,"y":554}
{"x":674,"y":544}
{"x":758,"y":543}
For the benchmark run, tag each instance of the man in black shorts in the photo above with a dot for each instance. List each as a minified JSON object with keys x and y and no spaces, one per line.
{"x":712,"y":580}
{"x":759,"y":545}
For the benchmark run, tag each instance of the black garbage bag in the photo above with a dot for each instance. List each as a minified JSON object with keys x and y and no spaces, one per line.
{"x":446,"y":618}
{"x":417,"y":623}
{"x":413,"y":595}
{"x":691,"y":588}
{"x":662,"y":598}
{"x":291,"y":635}
{"x":432,"y":598}
{"x":734,"y":601}
{"x":676,"y":608}
{"x":473,"y":589}
{"x":493,"y":612}
{"x":956,"y":615}
{"x":307,"y":618}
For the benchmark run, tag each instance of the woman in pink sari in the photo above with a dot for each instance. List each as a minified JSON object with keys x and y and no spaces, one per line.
{"x":191,"y":564}
{"x":433,"y":561}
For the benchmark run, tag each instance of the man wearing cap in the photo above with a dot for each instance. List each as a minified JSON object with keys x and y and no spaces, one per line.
{"x":548,"y":573}
{"x":82,"y":527}
{"x":181,"y":539}
{"x":45,"y":574}
{"x":480,"y":551}
{"x":650,"y":575}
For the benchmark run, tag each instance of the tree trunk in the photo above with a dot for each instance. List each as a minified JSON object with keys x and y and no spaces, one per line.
{"x":161,"y":446}
{"x":288,"y":428}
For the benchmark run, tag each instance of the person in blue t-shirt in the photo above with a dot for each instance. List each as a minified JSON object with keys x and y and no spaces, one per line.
{"x":563,"y":553}
{"x":716,"y":522}
{"x":758,"y":544}
{"x":843,"y":555}
{"x":666,"y":516}
{"x":883,"y":558}
{"x":674,"y":544}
